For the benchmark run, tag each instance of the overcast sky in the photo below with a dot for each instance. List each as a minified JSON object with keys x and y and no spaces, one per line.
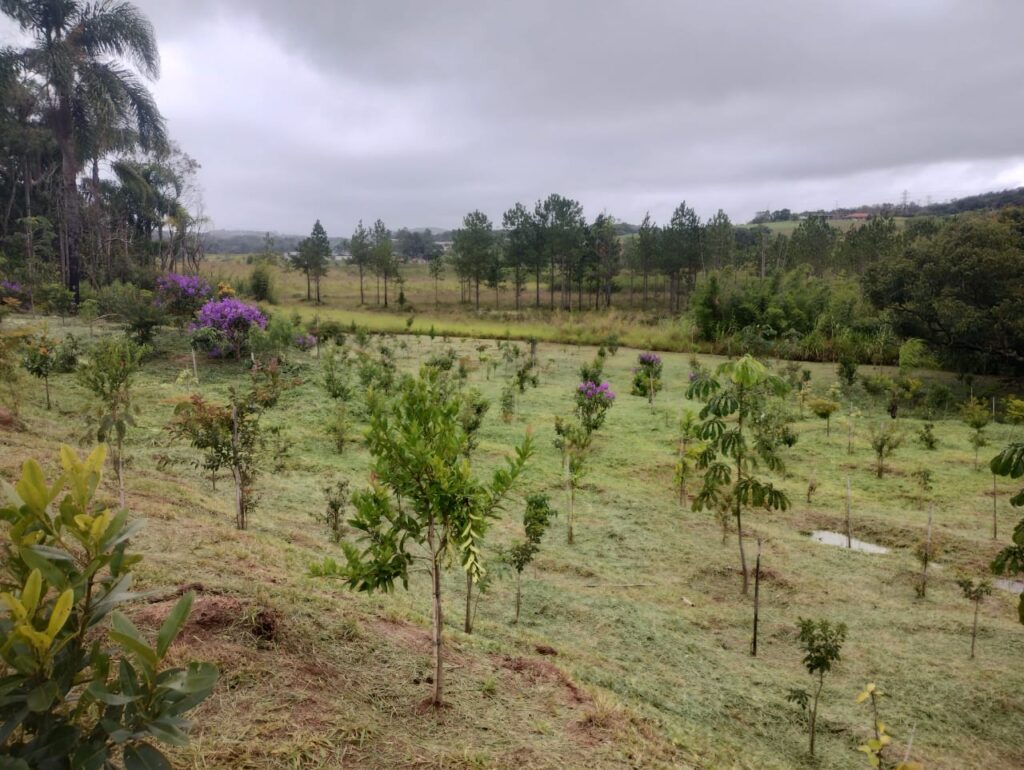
{"x":418,"y":112}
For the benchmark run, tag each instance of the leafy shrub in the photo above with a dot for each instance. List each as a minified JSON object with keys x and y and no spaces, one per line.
{"x":336,"y":379}
{"x":926,"y":436}
{"x":339,"y":428}
{"x":592,"y":404}
{"x":261,"y":285}
{"x":333,"y":515}
{"x":647,"y":376}
{"x":181,"y":296}
{"x":847,"y":370}
{"x":45,"y":356}
{"x":71,"y":698}
{"x":232,"y":319}
{"x":592,"y":372}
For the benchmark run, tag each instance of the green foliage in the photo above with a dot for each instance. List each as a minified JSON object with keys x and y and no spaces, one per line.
{"x":418,"y":447}
{"x":977,"y":416}
{"x":43,"y":357}
{"x":508,"y":402}
{"x":874,"y":748}
{"x":261,"y":285}
{"x":333,"y":515}
{"x":83,"y":687}
{"x":471,"y":417}
{"x":846,"y":370}
{"x":108,"y":372}
{"x":230,"y":435}
{"x":339,"y":428}
{"x":536,"y":520}
{"x":823,"y":408}
{"x":593,"y":371}
{"x":272,"y":342}
{"x":885,"y":439}
{"x":926,"y":437}
{"x":336,"y":374}
{"x":822,"y":643}
{"x":736,"y":444}
{"x":1010,"y":560}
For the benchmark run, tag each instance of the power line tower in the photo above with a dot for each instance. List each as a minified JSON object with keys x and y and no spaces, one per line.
{"x":903,"y":202}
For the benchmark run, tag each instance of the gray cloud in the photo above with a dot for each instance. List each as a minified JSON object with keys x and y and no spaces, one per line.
{"x":418,"y":112}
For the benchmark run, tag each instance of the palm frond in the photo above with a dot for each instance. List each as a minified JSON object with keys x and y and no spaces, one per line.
{"x":120,"y":30}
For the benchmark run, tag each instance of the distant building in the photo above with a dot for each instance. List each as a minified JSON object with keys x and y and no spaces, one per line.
{"x":857,"y":216}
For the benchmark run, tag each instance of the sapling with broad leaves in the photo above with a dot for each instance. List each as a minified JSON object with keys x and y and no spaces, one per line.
{"x":83,"y":687}
{"x":573,"y":441}
{"x":1010,"y":560}
{"x":333,"y":515}
{"x":874,"y":748}
{"x":418,"y":448}
{"x":822,"y":642}
{"x":647,"y":376}
{"x":737,"y":443}
{"x":975,"y":592}
{"x":519,"y":555}
{"x":108,"y":373}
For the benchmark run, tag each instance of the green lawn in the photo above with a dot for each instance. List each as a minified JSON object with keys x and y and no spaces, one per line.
{"x":645,"y":611}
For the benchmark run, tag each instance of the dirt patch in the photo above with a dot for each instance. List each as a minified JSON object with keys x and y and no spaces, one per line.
{"x":541,"y":670}
{"x":10,"y":421}
{"x":214,"y":614}
{"x":405,"y":634}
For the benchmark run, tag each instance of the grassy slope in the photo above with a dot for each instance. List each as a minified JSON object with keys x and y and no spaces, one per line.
{"x":658,"y":665}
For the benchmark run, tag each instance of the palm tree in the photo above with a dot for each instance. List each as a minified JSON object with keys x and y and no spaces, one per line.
{"x":83,"y":55}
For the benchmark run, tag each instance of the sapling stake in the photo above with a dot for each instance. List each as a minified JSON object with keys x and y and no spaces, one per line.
{"x":995,"y":510}
{"x":849,"y":539}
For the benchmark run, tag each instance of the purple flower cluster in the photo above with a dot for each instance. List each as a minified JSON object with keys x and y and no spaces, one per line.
{"x":11,"y":288}
{"x":593,"y":390}
{"x":649,"y":359}
{"x":232,"y":318}
{"x":181,"y":295}
{"x":305,"y":341}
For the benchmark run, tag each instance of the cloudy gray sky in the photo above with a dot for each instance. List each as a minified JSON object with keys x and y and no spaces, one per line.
{"x":417,"y":112}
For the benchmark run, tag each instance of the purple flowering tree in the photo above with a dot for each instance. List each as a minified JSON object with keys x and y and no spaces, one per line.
{"x":181,"y":296}
{"x":592,"y":404}
{"x":647,"y":376}
{"x":230,"y":319}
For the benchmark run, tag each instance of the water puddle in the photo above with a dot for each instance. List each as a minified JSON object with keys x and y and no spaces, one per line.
{"x":839,"y":539}
{"x":1013,"y":586}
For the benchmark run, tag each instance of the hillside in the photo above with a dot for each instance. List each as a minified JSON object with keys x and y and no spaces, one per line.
{"x":633,"y":647}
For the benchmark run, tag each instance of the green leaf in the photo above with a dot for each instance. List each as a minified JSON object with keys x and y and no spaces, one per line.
{"x":103,"y":695}
{"x":173,"y":622}
{"x":127,"y":635}
{"x":40,"y":699}
{"x":144,"y":757}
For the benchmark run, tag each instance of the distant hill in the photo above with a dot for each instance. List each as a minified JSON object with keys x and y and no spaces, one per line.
{"x":981,"y":202}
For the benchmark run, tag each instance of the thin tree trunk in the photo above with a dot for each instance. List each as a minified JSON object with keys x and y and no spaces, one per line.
{"x":519,"y":594}
{"x":743,"y":554}
{"x":236,"y":472}
{"x":72,"y":209}
{"x":468,"y":625}
{"x":46,"y":387}
{"x":757,"y":597}
{"x":974,"y":628}
{"x":995,"y":510}
{"x":435,"y":576}
{"x":849,"y":539}
{"x":814,"y":710}
{"x":362,"y":298}
{"x":120,"y":471}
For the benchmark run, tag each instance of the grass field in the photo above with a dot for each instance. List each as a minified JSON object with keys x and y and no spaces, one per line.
{"x":644,"y":612}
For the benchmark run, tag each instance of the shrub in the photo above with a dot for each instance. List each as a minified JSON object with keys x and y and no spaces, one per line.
{"x":108,"y":373}
{"x":339,"y":428}
{"x":592,"y":372}
{"x":272,"y":342}
{"x":233,"y":319}
{"x":181,"y":296}
{"x":592,"y":404}
{"x":71,"y":698}
{"x":261,"y":285}
{"x":336,"y":375}
{"x":926,"y":436}
{"x":45,"y":356}
{"x":822,"y":642}
{"x":823,"y":409}
{"x":885,"y":440}
{"x":333,"y":515}
{"x":647,"y":376}
{"x":847,"y":370}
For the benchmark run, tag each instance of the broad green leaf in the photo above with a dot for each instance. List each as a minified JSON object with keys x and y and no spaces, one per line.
{"x":40,"y":699}
{"x":61,"y":613}
{"x":173,"y":622}
{"x":144,"y":757}
{"x":31,"y":592}
{"x":124,"y":632}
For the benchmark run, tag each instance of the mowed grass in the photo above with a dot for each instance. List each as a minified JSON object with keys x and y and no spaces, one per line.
{"x":645,"y":611}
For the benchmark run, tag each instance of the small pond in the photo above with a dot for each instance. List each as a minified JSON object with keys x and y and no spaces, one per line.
{"x":838,"y":538}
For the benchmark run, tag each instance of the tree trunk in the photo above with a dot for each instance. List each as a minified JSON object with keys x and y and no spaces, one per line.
{"x":72,"y":208}
{"x":435,"y":577}
{"x":120,"y":471}
{"x":468,"y":625}
{"x":519,"y":596}
{"x":743,"y":554}
{"x":46,"y":387}
{"x":974,"y":628}
{"x":757,"y":598}
{"x":309,"y":293}
{"x":236,"y":472}
{"x":849,"y":539}
{"x":362,"y":298}
{"x":814,"y":709}
{"x":995,"y":510}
